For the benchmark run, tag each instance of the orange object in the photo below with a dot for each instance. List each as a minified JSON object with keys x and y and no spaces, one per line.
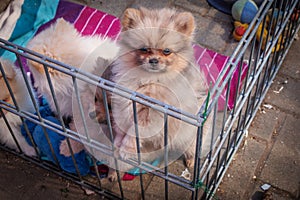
{"x":239,"y":30}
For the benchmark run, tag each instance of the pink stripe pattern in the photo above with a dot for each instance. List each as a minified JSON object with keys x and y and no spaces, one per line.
{"x":211,"y":64}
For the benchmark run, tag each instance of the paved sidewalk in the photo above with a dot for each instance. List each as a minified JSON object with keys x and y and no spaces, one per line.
{"x":270,"y":154}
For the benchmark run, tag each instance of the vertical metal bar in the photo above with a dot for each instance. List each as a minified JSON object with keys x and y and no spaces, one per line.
{"x":261,"y":45}
{"x":217,"y":160}
{"x":270,"y":27}
{"x":77,"y":94}
{"x":265,"y":80}
{"x":282,"y":8}
{"x":33,"y":100}
{"x":112,"y":139}
{"x":60,"y":118}
{"x":212,"y":133}
{"x":166,"y":153}
{"x":197,"y":165}
{"x":135,"y":118}
{"x":248,"y":81}
{"x":228,"y":95}
{"x":9,"y":88}
{"x":16,"y":105}
{"x":256,"y":93}
{"x":48,"y":139}
{"x":237,"y":89}
{"x":248,"y":74}
{"x":10,"y":129}
{"x":278,"y":21}
{"x":207,"y":185}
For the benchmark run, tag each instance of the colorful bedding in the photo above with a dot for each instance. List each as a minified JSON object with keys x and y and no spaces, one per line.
{"x":36,"y":15}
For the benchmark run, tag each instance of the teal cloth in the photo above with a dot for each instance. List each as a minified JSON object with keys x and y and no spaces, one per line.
{"x":34,"y":13}
{"x":136,"y":171}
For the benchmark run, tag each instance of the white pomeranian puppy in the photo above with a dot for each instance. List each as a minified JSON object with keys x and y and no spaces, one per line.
{"x":22,"y":97}
{"x":62,"y":42}
{"x":157,"y":59}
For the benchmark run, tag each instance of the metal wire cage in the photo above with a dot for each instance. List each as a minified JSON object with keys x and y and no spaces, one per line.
{"x":264,"y":56}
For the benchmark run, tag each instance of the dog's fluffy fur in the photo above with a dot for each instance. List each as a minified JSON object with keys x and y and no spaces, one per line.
{"x":21,"y":94}
{"x":156,"y":59}
{"x":62,"y":42}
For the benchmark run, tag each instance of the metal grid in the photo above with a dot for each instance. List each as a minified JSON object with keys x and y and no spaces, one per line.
{"x":229,"y":126}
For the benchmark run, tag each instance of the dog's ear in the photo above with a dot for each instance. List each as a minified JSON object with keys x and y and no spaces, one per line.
{"x":130,"y":18}
{"x":62,"y":26}
{"x":185,"y":23}
{"x":9,"y":69}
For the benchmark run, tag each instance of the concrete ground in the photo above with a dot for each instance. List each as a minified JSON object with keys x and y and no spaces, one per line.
{"x":269,"y":155}
{"x":272,"y":151}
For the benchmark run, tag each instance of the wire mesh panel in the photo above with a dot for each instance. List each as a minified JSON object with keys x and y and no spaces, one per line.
{"x":83,"y":148}
{"x":264,"y":47}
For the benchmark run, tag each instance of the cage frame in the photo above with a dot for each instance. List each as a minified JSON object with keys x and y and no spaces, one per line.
{"x":263,"y":65}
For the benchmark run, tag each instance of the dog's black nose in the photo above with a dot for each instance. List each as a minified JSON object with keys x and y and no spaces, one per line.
{"x":153,"y":61}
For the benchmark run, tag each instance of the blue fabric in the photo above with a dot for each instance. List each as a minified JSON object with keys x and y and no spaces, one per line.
{"x":34,"y":13}
{"x":136,"y":171}
{"x":38,"y":135}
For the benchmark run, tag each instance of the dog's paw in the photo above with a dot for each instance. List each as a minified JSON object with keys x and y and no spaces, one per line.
{"x":30,"y":151}
{"x":65,"y":150}
{"x":189,"y":159}
{"x":189,"y":162}
{"x":112,"y":175}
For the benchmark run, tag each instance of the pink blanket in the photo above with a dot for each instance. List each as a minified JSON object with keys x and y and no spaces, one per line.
{"x":89,"y":21}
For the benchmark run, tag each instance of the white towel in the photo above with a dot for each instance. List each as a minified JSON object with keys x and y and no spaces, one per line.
{"x":9,"y":18}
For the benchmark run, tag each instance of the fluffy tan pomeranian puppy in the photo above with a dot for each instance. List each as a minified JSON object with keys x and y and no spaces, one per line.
{"x":62,"y":42}
{"x":22,"y":97}
{"x":157,"y":59}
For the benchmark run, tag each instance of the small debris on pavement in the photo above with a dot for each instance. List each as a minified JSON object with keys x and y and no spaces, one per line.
{"x":282,"y":82}
{"x":261,"y":110}
{"x":268,"y":106}
{"x":265,"y":187}
{"x":87,"y":191}
{"x":278,"y":91}
{"x":186,"y":174}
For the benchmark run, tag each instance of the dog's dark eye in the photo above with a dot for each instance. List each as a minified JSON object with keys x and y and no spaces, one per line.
{"x":144,"y":50}
{"x":167,"y":51}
